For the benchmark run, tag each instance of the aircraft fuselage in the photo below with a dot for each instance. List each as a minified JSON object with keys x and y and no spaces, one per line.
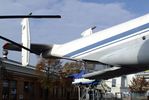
{"x":124,"y":44}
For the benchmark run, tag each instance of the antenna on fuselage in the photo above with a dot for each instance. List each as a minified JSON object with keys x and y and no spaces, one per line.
{"x":88,"y":31}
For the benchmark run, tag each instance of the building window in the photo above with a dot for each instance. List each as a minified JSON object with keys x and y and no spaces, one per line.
{"x":28,"y":91}
{"x":124,"y":81}
{"x":9,"y":91}
{"x":13,"y":90}
{"x":5,"y":91}
{"x":113,"y":82}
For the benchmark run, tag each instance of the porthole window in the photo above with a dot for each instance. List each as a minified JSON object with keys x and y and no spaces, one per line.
{"x":143,"y":38}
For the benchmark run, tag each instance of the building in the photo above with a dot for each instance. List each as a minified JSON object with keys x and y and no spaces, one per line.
{"x":118,"y":84}
{"x":22,"y":83}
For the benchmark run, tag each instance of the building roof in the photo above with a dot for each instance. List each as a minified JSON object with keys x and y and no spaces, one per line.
{"x":16,"y":67}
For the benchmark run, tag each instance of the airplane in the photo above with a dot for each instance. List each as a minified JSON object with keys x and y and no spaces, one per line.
{"x":79,"y":80}
{"x":124,"y":48}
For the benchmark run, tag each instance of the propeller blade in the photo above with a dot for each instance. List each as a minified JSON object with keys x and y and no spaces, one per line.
{"x":28,"y":16}
{"x":8,"y":40}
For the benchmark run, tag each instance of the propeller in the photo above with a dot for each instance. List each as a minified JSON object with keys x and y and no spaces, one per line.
{"x":28,"y":16}
{"x":24,"y":16}
{"x":51,"y":56}
{"x":20,"y":46}
{"x":40,"y":16}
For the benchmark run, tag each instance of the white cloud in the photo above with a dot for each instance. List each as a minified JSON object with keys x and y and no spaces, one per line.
{"x":76,"y":17}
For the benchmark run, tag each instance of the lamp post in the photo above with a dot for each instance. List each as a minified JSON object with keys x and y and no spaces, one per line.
{"x":3,"y":71}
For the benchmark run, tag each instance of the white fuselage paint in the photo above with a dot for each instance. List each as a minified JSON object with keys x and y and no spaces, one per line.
{"x":119,"y":45}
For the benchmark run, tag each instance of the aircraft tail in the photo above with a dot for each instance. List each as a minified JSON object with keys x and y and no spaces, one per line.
{"x":25,"y":41}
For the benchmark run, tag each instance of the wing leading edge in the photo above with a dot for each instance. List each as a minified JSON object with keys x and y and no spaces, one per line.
{"x":114,"y":72}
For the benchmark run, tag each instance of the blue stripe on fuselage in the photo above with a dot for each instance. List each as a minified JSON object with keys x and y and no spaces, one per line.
{"x":108,"y":40}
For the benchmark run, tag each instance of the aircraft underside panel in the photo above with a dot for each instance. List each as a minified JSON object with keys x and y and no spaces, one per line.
{"x":133,"y":51}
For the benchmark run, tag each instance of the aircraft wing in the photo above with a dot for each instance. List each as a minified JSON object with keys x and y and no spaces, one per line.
{"x":114,"y":72}
{"x":35,"y":48}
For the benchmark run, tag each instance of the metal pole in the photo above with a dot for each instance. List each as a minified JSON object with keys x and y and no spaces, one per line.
{"x":93,"y":93}
{"x":79,"y":93}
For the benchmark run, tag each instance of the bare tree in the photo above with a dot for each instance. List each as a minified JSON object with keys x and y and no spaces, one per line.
{"x":139,"y":85}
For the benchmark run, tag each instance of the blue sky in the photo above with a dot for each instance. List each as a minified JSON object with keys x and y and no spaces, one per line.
{"x":77,"y":16}
{"x":135,"y":6}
